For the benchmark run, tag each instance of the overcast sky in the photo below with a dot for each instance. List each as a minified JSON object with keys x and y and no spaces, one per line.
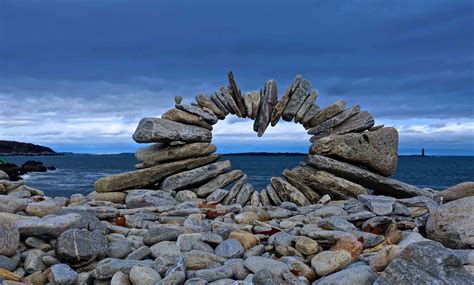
{"x":78,"y":75}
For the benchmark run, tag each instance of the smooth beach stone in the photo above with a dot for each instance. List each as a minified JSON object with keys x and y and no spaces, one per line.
{"x":326,"y":113}
{"x":175,"y":277}
{"x":154,"y":236}
{"x":359,"y":122}
{"x":168,"y":262}
{"x":205,"y":102}
{"x":143,"y":275}
{"x":336,"y":223}
{"x":257,"y":263}
{"x":379,"y":205}
{"x":49,"y":226}
{"x":381,"y":184}
{"x":120,"y":278}
{"x":384,"y":256}
{"x":230,"y":248}
{"x":196,"y":259}
{"x":43,"y":208}
{"x":357,"y":275}
{"x":9,"y":238}
{"x":145,"y":198}
{"x":273,"y":195}
{"x":12,"y":204}
{"x":267,"y":102}
{"x":87,"y":219}
{"x":327,"y":262}
{"x":8,"y":263}
{"x":184,"y":117}
{"x":458,"y":191}
{"x":208,"y":117}
{"x":114,"y":197}
{"x":306,"y":245}
{"x":62,"y":274}
{"x":79,"y":247}
{"x":218,"y":182}
{"x":161,"y":153}
{"x":140,"y":253}
{"x":165,"y":248}
{"x":326,"y":183}
{"x":149,"y":176}
{"x":119,"y":249}
{"x":294,"y":104}
{"x":377,"y":150}
{"x":33,"y":262}
{"x":185,"y":195}
{"x":220,"y":272}
{"x":264,"y":199}
{"x":245,"y":238}
{"x":195,"y":176}
{"x":452,"y":224}
{"x":334,"y":121}
{"x":425,"y":262}
{"x":4,"y":175}
{"x":306,"y":106}
{"x":106,"y":268}
{"x":152,"y":130}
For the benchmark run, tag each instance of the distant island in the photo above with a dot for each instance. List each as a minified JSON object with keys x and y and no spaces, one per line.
{"x":9,"y":148}
{"x":265,"y":154}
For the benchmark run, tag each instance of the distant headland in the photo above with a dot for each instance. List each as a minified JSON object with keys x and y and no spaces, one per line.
{"x":8,"y":148}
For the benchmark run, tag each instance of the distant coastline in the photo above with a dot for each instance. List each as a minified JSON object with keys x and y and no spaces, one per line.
{"x":14,"y":148}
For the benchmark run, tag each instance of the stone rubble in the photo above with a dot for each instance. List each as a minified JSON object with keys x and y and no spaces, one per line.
{"x":186,"y":217}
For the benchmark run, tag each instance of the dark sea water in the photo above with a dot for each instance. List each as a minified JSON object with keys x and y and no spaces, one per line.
{"x":77,"y":173}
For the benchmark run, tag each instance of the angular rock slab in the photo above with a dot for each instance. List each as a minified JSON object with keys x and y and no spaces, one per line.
{"x":381,"y":184}
{"x":334,"y":121}
{"x":208,"y":117}
{"x":160,"y":153}
{"x":195,"y":176}
{"x":267,"y":102}
{"x":281,"y":104}
{"x":425,"y":262}
{"x":377,"y":150}
{"x":152,"y":130}
{"x":252,"y":102}
{"x":453,"y":224}
{"x":456,"y":192}
{"x":149,"y":176}
{"x":218,"y":182}
{"x":205,"y":102}
{"x":359,"y":122}
{"x":326,"y":113}
{"x":184,"y":117}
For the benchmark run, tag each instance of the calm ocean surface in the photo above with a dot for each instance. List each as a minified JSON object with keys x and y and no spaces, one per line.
{"x":77,"y":173}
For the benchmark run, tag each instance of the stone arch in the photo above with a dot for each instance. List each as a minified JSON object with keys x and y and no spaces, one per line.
{"x":348,"y":155}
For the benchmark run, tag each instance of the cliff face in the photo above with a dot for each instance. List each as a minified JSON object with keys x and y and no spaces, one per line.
{"x":19,"y":148}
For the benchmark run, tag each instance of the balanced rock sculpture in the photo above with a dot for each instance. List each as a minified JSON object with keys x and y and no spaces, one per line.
{"x":348,"y":155}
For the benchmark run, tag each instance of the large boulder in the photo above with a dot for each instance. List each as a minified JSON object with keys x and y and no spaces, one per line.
{"x":79,"y":247}
{"x":452,"y":224}
{"x":377,"y":150}
{"x":151,"y":130}
{"x":456,"y":192}
{"x":9,"y":238}
{"x":425,"y":262}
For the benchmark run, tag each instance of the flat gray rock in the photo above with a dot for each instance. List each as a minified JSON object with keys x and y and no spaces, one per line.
{"x":208,"y":117}
{"x":149,"y":176}
{"x":306,"y":106}
{"x":217,"y":196}
{"x":334,"y":121}
{"x":313,"y":111}
{"x":288,"y":192}
{"x":326,"y":113}
{"x":152,"y":130}
{"x":230,"y":248}
{"x":195,"y":176}
{"x":273,"y":195}
{"x":106,"y":268}
{"x":379,"y":205}
{"x":62,"y":274}
{"x":381,"y":184}
{"x":452,"y":224}
{"x":280,"y":105}
{"x":244,"y":194}
{"x":359,"y":122}
{"x":226,"y":95}
{"x":294,"y":104}
{"x":50,"y":226}
{"x":252,"y":103}
{"x":425,"y":262}
{"x":216,"y":100}
{"x":258,"y":263}
{"x":234,"y":190}
{"x":357,"y":275}
{"x":205,"y":102}
{"x":218,"y":182}
{"x":377,"y":150}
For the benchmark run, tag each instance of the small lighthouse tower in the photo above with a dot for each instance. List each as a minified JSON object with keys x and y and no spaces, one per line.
{"x":422,"y":152}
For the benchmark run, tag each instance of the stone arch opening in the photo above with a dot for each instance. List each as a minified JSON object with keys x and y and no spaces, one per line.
{"x":347,"y":157}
